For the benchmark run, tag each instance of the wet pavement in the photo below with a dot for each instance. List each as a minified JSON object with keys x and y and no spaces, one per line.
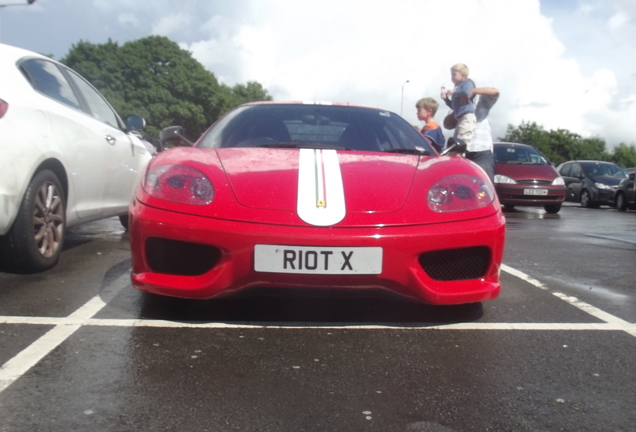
{"x":82,"y":350}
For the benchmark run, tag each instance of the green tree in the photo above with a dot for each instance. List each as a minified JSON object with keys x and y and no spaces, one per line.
{"x":155,"y":78}
{"x":625,"y":155}
{"x":557,"y":145}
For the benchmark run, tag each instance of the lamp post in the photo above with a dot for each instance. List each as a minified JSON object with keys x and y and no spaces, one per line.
{"x":6,"y":3}
{"x":402,"y":101}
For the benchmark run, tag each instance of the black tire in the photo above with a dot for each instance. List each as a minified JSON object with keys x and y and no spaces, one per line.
{"x":585,"y":199}
{"x":552,"y":208}
{"x":124,"y":221}
{"x":621,"y":202}
{"x":36,"y":239}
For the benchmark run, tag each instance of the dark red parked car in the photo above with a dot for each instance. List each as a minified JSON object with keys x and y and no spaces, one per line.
{"x":524,"y":177}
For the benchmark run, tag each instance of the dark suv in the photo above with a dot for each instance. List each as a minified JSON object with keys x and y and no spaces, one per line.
{"x":592,"y":183}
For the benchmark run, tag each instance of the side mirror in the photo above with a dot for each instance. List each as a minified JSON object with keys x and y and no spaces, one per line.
{"x":454,"y":145}
{"x":632,"y":176}
{"x":134,"y":122}
{"x":173,"y":134}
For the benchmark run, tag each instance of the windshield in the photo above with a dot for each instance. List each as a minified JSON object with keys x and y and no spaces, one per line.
{"x":525,"y":155}
{"x":600,"y":169}
{"x":315,"y":126}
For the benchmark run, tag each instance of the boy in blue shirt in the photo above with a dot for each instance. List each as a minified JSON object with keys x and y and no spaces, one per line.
{"x":426,"y":109}
{"x":461,"y":104}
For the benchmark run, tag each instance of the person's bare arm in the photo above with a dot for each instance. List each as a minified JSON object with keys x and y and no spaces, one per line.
{"x":485,"y":91}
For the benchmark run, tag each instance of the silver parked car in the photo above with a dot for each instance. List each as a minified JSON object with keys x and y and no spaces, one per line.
{"x":67,"y":158}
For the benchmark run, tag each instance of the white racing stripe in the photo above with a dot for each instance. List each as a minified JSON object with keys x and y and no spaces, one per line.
{"x":321,"y":200}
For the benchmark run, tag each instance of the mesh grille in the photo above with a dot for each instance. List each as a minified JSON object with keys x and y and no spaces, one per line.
{"x":180,"y":258}
{"x":456,"y":264}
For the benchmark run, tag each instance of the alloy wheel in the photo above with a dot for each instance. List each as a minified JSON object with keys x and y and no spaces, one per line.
{"x":48,"y":219}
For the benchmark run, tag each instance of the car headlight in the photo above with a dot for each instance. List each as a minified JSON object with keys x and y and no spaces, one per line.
{"x":460,"y":193}
{"x":558,"y":181}
{"x":179,"y":183}
{"x":504,"y":179}
{"x":602,"y":185}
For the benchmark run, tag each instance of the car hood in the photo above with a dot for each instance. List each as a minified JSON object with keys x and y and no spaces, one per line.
{"x":272,"y":179}
{"x":520,"y":172}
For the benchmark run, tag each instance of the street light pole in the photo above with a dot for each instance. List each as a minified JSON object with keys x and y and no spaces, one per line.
{"x":6,"y":3}
{"x":402,"y":101}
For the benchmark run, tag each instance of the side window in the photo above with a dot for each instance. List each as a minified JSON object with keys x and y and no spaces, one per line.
{"x":575,"y":171}
{"x":46,"y":78}
{"x":98,"y":106}
{"x":565,"y":170}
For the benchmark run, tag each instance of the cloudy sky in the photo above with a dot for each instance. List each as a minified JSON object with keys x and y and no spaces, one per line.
{"x":563,"y":63}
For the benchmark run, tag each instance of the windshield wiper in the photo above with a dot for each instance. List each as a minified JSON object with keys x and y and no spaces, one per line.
{"x":300,"y":144}
{"x":416,"y":151}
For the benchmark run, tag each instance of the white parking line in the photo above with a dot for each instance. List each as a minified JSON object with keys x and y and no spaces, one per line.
{"x":65,"y":327}
{"x":31,"y":355}
{"x":622,"y":240}
{"x":585,"y":307}
{"x":625,"y":326}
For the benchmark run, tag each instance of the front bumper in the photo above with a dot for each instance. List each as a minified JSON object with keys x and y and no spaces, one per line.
{"x":604,"y":196}
{"x":513,"y":195}
{"x":222,"y":260}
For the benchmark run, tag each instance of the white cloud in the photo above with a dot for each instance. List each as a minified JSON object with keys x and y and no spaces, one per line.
{"x":128,"y":20}
{"x":618,"y":21}
{"x":585,"y":9}
{"x":556,"y":63}
{"x":362,"y":52}
{"x":169,"y":25}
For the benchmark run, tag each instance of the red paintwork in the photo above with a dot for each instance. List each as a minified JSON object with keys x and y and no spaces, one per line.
{"x":364,"y":174}
{"x":402,"y":246}
{"x":255,"y":203}
{"x":364,"y":194}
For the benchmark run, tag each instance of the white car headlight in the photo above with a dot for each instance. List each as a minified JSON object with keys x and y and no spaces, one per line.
{"x":504,"y":179}
{"x":602,"y":185}
{"x":558,"y":181}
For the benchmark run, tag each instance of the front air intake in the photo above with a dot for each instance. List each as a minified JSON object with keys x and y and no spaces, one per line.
{"x":180,"y":258}
{"x":456,"y":264}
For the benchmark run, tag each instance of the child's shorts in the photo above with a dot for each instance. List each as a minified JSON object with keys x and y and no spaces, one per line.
{"x":465,"y":128}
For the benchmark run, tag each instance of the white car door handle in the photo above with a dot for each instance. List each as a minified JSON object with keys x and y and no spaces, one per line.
{"x":111,"y":140}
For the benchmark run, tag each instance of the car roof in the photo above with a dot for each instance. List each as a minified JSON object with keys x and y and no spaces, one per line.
{"x":591,"y":160}
{"x":9,"y":52}
{"x":503,"y":143}
{"x":311,"y":102}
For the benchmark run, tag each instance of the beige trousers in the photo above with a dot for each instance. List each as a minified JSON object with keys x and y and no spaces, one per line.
{"x":465,"y":128}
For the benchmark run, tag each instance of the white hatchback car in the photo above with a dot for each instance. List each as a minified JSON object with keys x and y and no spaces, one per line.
{"x":66,"y":158}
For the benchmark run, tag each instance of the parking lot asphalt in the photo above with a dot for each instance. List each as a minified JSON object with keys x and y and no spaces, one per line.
{"x":81,"y":350}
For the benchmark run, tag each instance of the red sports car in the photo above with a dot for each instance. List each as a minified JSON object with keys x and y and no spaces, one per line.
{"x":315,"y":195}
